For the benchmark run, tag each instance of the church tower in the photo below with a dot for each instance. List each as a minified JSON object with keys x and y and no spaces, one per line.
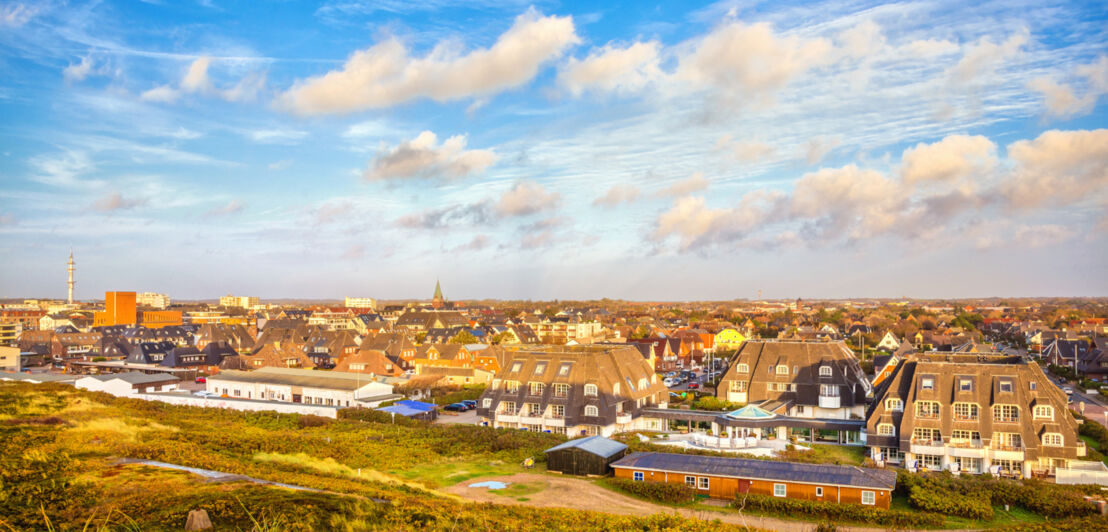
{"x":438,"y":301}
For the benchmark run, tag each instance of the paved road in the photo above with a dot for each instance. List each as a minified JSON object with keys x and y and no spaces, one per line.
{"x":1095,"y":408}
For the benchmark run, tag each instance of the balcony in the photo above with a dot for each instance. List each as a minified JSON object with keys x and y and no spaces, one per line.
{"x":623,"y":419}
{"x":531,"y":420}
{"x":736,"y":397}
{"x":828,"y":401}
{"x":927,"y":446}
{"x":1007,"y":452}
{"x":962,"y":417}
{"x":507,"y":418}
{"x":964,"y":450}
{"x":551,"y":421}
{"x":1006,"y":419}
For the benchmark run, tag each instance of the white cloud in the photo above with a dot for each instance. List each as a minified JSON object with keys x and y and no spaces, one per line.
{"x":952,"y":159}
{"x":276,"y":136}
{"x":197,"y":81}
{"x":160,"y":94}
{"x":232,"y":207}
{"x":368,"y":128}
{"x":16,"y":14}
{"x":422,"y":157}
{"x":862,"y":40}
{"x":1062,"y":101}
{"x":1059,"y":168}
{"x":117,"y":202}
{"x":746,"y":151}
{"x":619,"y":193}
{"x":612,"y":69}
{"x":817,"y":148}
{"x":693,"y":183}
{"x":386,"y":74}
{"x":849,"y":200}
{"x":79,"y":71}
{"x":279,"y":165}
{"x":526,"y":198}
{"x":750,"y":59}
{"x":983,"y":58}
{"x":929,"y":48}
{"x":64,"y":170}
{"x":698,"y":226}
{"x":1042,"y":235}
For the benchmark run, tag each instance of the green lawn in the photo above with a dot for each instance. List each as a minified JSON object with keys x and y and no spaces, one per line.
{"x":441,"y":475}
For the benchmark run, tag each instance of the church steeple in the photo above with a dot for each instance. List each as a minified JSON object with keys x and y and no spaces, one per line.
{"x":438,"y":301}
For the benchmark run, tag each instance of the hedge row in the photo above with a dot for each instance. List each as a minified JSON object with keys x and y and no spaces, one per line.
{"x":950,"y":503}
{"x":973,"y":496}
{"x":837,"y":511}
{"x":656,"y":491}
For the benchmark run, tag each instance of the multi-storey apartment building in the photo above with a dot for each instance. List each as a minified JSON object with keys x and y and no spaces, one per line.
{"x":560,"y":331}
{"x":571,"y":390}
{"x":152,"y":299}
{"x":246,"y":302}
{"x":972,"y":413}
{"x":798,"y":379}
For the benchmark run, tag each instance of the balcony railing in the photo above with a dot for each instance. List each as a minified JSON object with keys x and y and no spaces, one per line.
{"x":927,"y":415}
{"x":1006,"y":419}
{"x":966,"y":444}
{"x":966,"y":417}
{"x":1006,"y":447}
{"x":927,"y":441}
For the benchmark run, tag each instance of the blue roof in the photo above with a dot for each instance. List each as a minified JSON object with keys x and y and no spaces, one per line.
{"x":417,"y":405}
{"x":598,"y":445}
{"x":402,"y":410}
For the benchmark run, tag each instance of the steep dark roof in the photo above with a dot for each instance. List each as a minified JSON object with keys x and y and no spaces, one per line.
{"x":859,"y":477}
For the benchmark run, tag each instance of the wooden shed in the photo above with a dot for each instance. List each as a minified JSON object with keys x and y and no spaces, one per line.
{"x":585,"y":456}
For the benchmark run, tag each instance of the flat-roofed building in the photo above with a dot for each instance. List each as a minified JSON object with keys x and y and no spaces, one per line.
{"x":151,"y":299}
{"x":817,"y":379}
{"x":571,"y":390}
{"x":120,"y":308}
{"x":329,"y":388}
{"x":361,"y":302}
{"x":124,"y":384}
{"x":724,"y":478}
{"x":972,"y":413}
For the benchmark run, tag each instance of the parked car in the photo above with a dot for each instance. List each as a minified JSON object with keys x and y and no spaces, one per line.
{"x":204,"y":393}
{"x":470,"y":404}
{"x":694,"y":385}
{"x":669,"y":382}
{"x":455,"y":407}
{"x":201,"y":380}
{"x":1068,"y":390}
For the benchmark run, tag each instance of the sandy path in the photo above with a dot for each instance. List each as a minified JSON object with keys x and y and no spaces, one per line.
{"x":580,"y":494}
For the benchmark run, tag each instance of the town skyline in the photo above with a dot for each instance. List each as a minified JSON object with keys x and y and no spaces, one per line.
{"x":541,"y":150}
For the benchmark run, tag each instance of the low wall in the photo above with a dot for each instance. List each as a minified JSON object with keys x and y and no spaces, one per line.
{"x":239,"y":404}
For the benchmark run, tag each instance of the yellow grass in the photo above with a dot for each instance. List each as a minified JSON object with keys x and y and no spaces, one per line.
{"x":120,"y":427}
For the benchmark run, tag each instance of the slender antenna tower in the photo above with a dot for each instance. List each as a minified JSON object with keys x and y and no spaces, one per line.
{"x":70,"y":268}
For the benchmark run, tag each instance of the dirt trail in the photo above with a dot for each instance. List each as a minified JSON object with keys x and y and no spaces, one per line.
{"x":580,"y":494}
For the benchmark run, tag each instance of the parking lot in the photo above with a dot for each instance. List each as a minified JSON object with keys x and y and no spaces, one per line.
{"x":458,"y":418}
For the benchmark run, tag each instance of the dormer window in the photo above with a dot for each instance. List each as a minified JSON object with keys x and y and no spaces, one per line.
{"x":1043,"y":412}
{"x":965,"y":384}
{"x":743,"y":368}
{"x":540,"y":368}
{"x":825,"y":371}
{"x":516,"y":366}
{"x":1006,"y":386}
{"x":894,"y":404}
{"x":782,"y":370}
{"x":564,"y":369}
{"x":590,"y":389}
{"x":927,"y":383}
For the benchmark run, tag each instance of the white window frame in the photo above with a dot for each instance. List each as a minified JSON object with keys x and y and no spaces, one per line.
{"x":872,"y":496}
{"x":819,"y":491}
{"x":782,"y":369}
{"x":927,"y":383}
{"x":590,"y":389}
{"x":690,"y":481}
{"x":703,"y":483}
{"x":638,"y":476}
{"x":743,"y":368}
{"x":891,"y":429}
{"x":825,"y":371}
{"x":591,"y":411}
{"x":894,"y":404}
{"x":486,"y":402}
{"x":784,"y":490}
{"x":1053,"y":439}
{"x":1048,"y":412}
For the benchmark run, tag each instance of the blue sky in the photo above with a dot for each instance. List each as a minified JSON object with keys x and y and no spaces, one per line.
{"x":555,"y":150}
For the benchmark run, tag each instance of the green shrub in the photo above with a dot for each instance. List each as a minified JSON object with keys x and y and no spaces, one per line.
{"x":656,"y":491}
{"x":950,"y":503}
{"x":838,"y":512}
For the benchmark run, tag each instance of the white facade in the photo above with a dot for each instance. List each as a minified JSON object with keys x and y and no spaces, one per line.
{"x":118,"y":386}
{"x":239,"y":301}
{"x":361,"y":302}
{"x":151,"y":299}
{"x":276,"y":390}
{"x":240,"y":404}
{"x":9,"y":359}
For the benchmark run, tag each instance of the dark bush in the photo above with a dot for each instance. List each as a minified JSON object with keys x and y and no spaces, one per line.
{"x":838,"y":512}
{"x":656,"y":491}
{"x":308,"y":420}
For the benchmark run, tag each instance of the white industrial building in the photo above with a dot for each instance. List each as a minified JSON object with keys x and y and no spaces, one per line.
{"x":328,"y":388}
{"x":124,"y":384}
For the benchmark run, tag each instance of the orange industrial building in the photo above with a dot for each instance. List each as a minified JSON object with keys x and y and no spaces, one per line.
{"x":120,"y":308}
